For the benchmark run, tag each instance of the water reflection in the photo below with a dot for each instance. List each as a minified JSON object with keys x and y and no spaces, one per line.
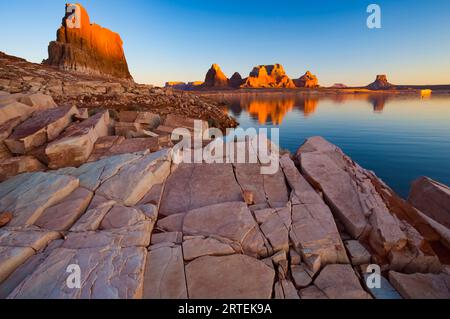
{"x":273,"y":108}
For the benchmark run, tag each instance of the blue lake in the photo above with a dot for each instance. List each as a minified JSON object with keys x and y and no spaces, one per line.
{"x":399,"y":138}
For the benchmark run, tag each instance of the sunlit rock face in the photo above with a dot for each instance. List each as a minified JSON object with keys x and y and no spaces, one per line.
{"x":87,"y":48}
{"x":308,"y":80}
{"x":215,"y":77}
{"x":268,"y":76}
{"x":381,"y":83}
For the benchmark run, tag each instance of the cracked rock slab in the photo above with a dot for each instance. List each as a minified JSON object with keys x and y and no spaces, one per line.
{"x":199,"y":247}
{"x":421,"y":286}
{"x":229,"y":277}
{"x":134,"y":180}
{"x":192,"y":186}
{"x":232,"y":221}
{"x":28,"y":195}
{"x":340,"y":282}
{"x":109,"y":273}
{"x":164,"y":274}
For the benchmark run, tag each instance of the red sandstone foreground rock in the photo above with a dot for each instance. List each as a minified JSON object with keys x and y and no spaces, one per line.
{"x":432,"y":198}
{"x":87,"y":48}
{"x":141,"y":226}
{"x":268,"y":76}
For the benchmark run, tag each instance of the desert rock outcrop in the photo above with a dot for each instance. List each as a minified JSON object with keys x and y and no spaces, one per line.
{"x":268,"y":76}
{"x":308,"y":80}
{"x":381,"y":83}
{"x":215,"y":77}
{"x":87,"y":48}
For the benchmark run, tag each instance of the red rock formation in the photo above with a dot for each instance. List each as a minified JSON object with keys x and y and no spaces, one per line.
{"x":236,"y":80}
{"x":308,"y":80}
{"x":381,"y":83}
{"x":87,"y":48}
{"x":268,"y":76}
{"x":215,"y":77}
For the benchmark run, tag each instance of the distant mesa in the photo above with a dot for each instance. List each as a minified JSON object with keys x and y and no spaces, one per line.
{"x":262,"y":76}
{"x":268,"y":76}
{"x":184,"y":86}
{"x":236,"y":80}
{"x":339,"y":86}
{"x":381,"y":83}
{"x":308,"y":80}
{"x":215,"y":77}
{"x":87,"y":48}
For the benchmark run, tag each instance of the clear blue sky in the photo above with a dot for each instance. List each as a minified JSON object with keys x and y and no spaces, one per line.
{"x":175,"y":40}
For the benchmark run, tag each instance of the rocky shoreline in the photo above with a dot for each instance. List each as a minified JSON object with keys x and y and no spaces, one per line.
{"x":140,"y":225}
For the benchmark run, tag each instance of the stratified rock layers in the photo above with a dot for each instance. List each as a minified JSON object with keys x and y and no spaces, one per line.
{"x":88,"y":48}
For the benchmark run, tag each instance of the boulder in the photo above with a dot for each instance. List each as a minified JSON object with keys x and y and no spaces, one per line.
{"x":87,"y":48}
{"x":308,"y":80}
{"x":431,"y":198}
{"x":14,"y":110}
{"x":358,"y":253}
{"x":349,"y":191}
{"x":421,"y":286}
{"x":229,"y":277}
{"x":314,"y":233}
{"x":38,"y":101}
{"x":75,"y":145}
{"x":340,"y":282}
{"x":17,"y":165}
{"x":44,"y":126}
{"x":164,"y":274}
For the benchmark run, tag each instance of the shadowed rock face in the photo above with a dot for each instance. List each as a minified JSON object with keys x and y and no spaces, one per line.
{"x":88,"y":48}
{"x":308,"y":80}
{"x":268,"y":76}
{"x":381,"y":83}
{"x":236,"y":80}
{"x":215,"y":77}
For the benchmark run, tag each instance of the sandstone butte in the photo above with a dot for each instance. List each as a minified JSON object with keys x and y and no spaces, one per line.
{"x":90,"y":49}
{"x":268,"y":76}
{"x":215,"y":77}
{"x":263,"y":76}
{"x":308,"y":80}
{"x":381,"y":83}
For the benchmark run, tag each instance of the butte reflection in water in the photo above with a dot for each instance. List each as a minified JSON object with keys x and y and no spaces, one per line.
{"x":272,"y":109}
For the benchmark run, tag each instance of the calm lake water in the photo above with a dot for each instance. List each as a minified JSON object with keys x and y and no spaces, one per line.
{"x":400,"y":138}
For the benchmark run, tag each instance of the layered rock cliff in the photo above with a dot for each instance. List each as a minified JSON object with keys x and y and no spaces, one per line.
{"x":87,"y":48}
{"x":308,"y":80}
{"x":268,"y":76}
